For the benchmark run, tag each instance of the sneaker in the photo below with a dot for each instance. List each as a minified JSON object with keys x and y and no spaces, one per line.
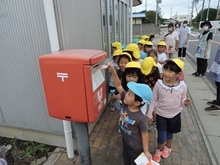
{"x":157,"y":155}
{"x":166,"y":152}
{"x":211,"y":102}
{"x":213,"y":107}
{"x":194,"y":73}
{"x":152,"y":127}
{"x":183,"y":58}
{"x":199,"y":75}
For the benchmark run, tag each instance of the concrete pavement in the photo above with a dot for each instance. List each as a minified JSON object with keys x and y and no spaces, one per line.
{"x":197,"y":143}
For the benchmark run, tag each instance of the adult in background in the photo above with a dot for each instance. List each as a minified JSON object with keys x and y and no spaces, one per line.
{"x":203,"y":49}
{"x":171,"y":39}
{"x":184,"y":34}
{"x":214,"y":72}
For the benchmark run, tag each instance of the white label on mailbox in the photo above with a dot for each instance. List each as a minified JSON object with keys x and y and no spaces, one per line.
{"x":62,"y":76}
{"x":97,"y":79}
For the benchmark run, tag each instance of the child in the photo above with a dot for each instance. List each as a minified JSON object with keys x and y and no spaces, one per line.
{"x":141,"y":44}
{"x":123,"y":59}
{"x":116,"y":46}
{"x":169,"y":97}
{"x":145,"y":37}
{"x":132,"y":122}
{"x":133,"y":50}
{"x":115,"y":57}
{"x":161,"y":47}
{"x":152,"y":36}
{"x":148,"y":46}
{"x":153,"y":54}
{"x":151,"y":72}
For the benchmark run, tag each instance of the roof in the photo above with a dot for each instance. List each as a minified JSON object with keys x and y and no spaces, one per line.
{"x":138,"y":15}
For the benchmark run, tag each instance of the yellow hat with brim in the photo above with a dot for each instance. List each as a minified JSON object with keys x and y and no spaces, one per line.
{"x":143,"y":42}
{"x":148,"y":43}
{"x":117,"y":52}
{"x":162,"y":43}
{"x":144,"y":37}
{"x":133,"y":64}
{"x":147,"y":65}
{"x":179,"y":62}
{"x":134,"y":49}
{"x":126,"y":54}
{"x":117,"y":45}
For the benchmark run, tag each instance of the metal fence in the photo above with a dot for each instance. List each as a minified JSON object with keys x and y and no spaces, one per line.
{"x":145,"y":29}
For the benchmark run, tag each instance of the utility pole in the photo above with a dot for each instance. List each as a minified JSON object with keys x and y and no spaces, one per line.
{"x":157,"y":2}
{"x":207,"y":14}
{"x":202,"y":10}
{"x":217,"y":14}
{"x":192,"y":12}
{"x":171,"y":12}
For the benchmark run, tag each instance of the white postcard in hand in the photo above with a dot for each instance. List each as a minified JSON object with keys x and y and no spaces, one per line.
{"x":143,"y":160}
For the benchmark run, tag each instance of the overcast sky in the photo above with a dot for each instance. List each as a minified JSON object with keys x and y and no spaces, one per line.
{"x":181,"y":7}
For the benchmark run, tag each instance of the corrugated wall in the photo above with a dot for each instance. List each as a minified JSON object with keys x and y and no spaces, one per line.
{"x":23,"y":38}
{"x":79,"y":24}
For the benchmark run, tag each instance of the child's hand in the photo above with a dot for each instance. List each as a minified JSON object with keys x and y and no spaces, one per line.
{"x":187,"y":102}
{"x":148,"y":155}
{"x":118,"y":97}
{"x":149,"y":120}
{"x":110,"y":67}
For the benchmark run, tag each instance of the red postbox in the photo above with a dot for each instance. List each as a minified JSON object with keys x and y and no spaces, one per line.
{"x":75,"y":89}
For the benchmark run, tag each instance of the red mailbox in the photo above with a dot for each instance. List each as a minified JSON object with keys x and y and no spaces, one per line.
{"x":75,"y":89}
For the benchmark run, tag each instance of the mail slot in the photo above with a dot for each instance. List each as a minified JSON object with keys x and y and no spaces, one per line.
{"x":74,"y":87}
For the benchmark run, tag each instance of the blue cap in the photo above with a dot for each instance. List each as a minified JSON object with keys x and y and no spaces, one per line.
{"x":123,"y":46}
{"x":142,"y":90}
{"x":135,"y":41}
{"x":143,"y":55}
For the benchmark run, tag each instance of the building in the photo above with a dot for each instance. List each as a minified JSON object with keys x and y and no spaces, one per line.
{"x":181,"y":18}
{"x":138,"y":18}
{"x":27,"y":32}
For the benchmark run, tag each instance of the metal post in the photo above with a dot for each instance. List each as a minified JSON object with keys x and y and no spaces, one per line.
{"x":156,"y":13}
{"x":217,"y":10}
{"x":83,"y":143}
{"x":207,"y":14}
{"x":202,"y":10}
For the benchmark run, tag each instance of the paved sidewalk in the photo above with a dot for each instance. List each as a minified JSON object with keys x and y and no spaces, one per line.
{"x":196,"y":144}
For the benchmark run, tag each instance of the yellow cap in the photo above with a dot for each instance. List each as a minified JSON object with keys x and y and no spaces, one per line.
{"x":143,"y":42}
{"x":134,"y":49}
{"x":117,"y":52}
{"x":149,"y":43}
{"x":162,"y":43}
{"x":120,"y":52}
{"x":147,"y":65}
{"x":144,"y":37}
{"x":133,"y":64}
{"x":117,"y":45}
{"x":179,"y":62}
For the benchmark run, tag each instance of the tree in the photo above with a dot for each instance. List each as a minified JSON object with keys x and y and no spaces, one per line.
{"x":211,"y":16}
{"x":150,"y":17}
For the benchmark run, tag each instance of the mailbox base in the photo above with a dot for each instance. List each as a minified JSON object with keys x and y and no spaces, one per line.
{"x":82,"y":135}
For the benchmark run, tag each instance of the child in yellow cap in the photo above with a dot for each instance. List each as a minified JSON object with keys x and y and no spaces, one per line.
{"x":161,"y":47}
{"x":152,"y":74}
{"x":169,"y":97}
